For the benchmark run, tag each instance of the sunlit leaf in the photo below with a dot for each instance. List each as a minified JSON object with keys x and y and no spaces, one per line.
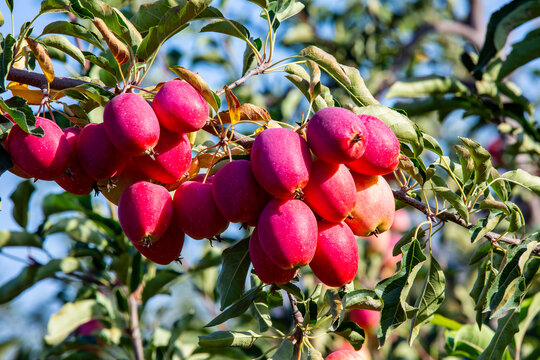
{"x":241,"y":339}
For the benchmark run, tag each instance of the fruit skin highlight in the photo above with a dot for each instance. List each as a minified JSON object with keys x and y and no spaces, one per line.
{"x":237,"y":194}
{"x":179,"y":107}
{"x":131,"y":124}
{"x":98,"y":156}
{"x":75,"y":180}
{"x":375,"y":206}
{"x":281,"y":162}
{"x":288,"y":233}
{"x":44,"y":158}
{"x":167,"y":249}
{"x":330,"y":192}
{"x":196,"y":211}
{"x":145,"y":212}
{"x":381,"y":155}
{"x":336,"y":135}
{"x":265,"y":269}
{"x":171,"y":159}
{"x":336,"y":259}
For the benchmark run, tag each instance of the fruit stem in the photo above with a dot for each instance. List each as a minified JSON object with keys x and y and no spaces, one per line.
{"x":356,"y":138}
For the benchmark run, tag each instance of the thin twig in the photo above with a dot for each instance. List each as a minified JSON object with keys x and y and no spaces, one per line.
{"x":134,"y":329}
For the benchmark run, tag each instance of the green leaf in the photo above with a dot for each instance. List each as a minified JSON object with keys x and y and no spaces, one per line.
{"x":249,"y":56}
{"x":22,"y":114}
{"x":70,"y":317}
{"x":21,"y":198}
{"x":262,"y":312}
{"x":56,"y":203}
{"x":100,"y":61}
{"x":491,"y":42}
{"x":287,"y":9}
{"x":34,"y":273}
{"x":113,"y":18}
{"x":10,"y":5}
{"x":48,"y":6}
{"x":150,"y":14}
{"x":469,"y":341}
{"x":404,"y":128}
{"x":7,"y":44}
{"x":228,"y":27}
{"x":136,"y":272}
{"x":357,"y":87}
{"x":522,"y":52}
{"x":500,"y":187}
{"x":261,"y":3}
{"x":426,"y":86}
{"x":394,"y":290}
{"x":327,"y":62}
{"x":1,"y":19}
{"x":430,"y":299}
{"x":353,"y":333}
{"x":79,"y":229}
{"x":524,"y":179}
{"x":440,"y":320}
{"x":455,"y":200}
{"x":293,"y":290}
{"x":406,"y":239}
{"x":158,"y":283}
{"x":284,"y":352}
{"x":480,"y":252}
{"x":171,"y":23}
{"x":466,"y":161}
{"x":506,"y":328}
{"x":481,"y":158}
{"x":19,"y":238}
{"x":432,"y":144}
{"x":526,"y":11}
{"x":485,"y":225}
{"x":241,"y":339}
{"x":63,"y":44}
{"x":237,"y":308}
{"x":232,"y":276}
{"x":73,"y":29}
{"x":362,"y":299}
{"x":529,"y":309}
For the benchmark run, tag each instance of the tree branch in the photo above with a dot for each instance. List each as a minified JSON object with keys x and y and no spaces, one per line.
{"x":134,"y":329}
{"x":456,"y":219}
{"x":40,"y":81}
{"x":256,"y":71}
{"x":298,"y":323}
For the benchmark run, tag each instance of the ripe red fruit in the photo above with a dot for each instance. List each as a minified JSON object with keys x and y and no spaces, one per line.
{"x":46,"y":157}
{"x":330,"y":192}
{"x":346,"y":355}
{"x":14,"y":169}
{"x":167,"y":249}
{"x":145,"y":212}
{"x":265,"y":269}
{"x":382,"y":149}
{"x":281,"y":162}
{"x":113,"y":188}
{"x":366,"y":319}
{"x":98,"y":156}
{"x":131,"y":124}
{"x":336,"y":135}
{"x":375,"y":207}
{"x":75,"y":180}
{"x":179,"y":107}
{"x":288,"y":233}
{"x":237,"y":194}
{"x":336,"y":259}
{"x":171,"y":161}
{"x":196,"y":212}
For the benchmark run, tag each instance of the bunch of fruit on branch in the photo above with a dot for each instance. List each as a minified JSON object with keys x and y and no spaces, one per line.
{"x":307,"y":191}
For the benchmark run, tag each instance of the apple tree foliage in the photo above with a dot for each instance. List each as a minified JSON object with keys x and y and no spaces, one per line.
{"x":467,"y":282}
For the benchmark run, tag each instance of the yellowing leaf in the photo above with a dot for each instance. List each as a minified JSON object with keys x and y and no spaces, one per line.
{"x":43,"y":58}
{"x":117,"y":47}
{"x":245,"y":112}
{"x":199,"y":84}
{"x":234,"y":106}
{"x":33,"y":97}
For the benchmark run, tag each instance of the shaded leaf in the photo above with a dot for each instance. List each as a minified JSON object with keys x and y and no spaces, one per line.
{"x":353,"y":333}
{"x":261,"y":3}
{"x":232,"y":276}
{"x":284,"y":352}
{"x":504,"y":334}
{"x":426,"y":86}
{"x":455,"y":200}
{"x":150,"y":14}
{"x":22,"y":114}
{"x":394,"y":290}
{"x":6,"y":48}
{"x":485,"y":225}
{"x":522,"y":52}
{"x":236,"y":308}
{"x":430,"y":299}
{"x":362,"y":299}
{"x":56,"y":203}
{"x":21,"y":198}
{"x":241,"y":339}
{"x":158,"y":283}
{"x":79,"y":229}
{"x":228,"y":27}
